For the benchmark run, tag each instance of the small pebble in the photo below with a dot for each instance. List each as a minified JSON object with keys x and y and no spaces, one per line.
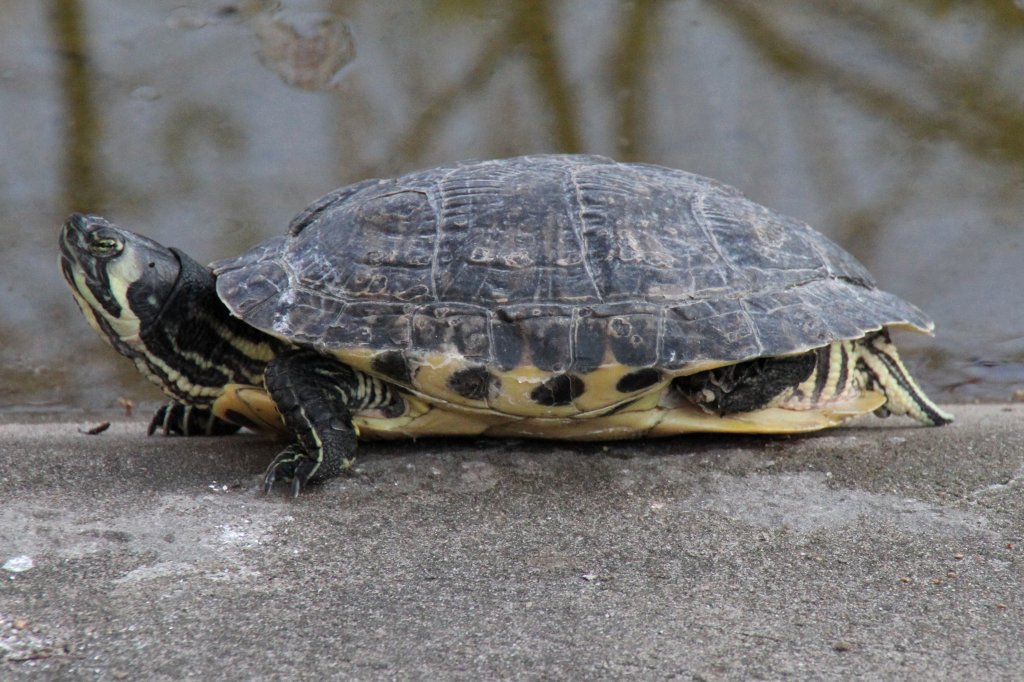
{"x":18,"y":564}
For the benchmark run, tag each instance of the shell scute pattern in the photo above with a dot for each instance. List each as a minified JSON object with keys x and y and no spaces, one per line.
{"x":505,"y":238}
{"x":460,"y":328}
{"x":387,"y":247}
{"x":588,"y":342}
{"x":548,"y":285}
{"x":549,"y":342}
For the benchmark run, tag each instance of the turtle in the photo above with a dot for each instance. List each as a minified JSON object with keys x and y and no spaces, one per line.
{"x":550,"y":296}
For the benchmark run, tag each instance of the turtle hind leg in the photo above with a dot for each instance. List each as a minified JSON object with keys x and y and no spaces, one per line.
{"x":747,"y":386}
{"x":844,"y":377}
{"x":316,"y":396}
{"x":879,"y":363}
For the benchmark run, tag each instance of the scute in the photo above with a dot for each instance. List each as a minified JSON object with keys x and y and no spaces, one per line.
{"x":489,"y":285}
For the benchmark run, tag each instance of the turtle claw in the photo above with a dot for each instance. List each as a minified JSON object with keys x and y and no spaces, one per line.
{"x":268,"y":480}
{"x":291,"y":464}
{"x":179,"y":419}
{"x":162,"y":419}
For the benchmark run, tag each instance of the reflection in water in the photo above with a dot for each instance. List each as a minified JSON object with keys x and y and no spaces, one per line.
{"x":306,"y":50}
{"x":935,"y":78}
{"x":535,"y":31}
{"x":196,"y":128}
{"x":929,"y":91}
{"x":897,"y":128}
{"x":82,"y":184}
{"x":630,"y":65}
{"x":528,"y":29}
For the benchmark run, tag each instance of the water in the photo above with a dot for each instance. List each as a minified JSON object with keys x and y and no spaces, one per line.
{"x":895,"y":128}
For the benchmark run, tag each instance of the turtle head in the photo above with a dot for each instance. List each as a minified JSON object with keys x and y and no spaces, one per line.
{"x":160,"y":308}
{"x":121,"y":280}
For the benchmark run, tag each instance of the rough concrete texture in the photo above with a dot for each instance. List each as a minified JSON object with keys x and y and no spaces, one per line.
{"x":880,"y":550}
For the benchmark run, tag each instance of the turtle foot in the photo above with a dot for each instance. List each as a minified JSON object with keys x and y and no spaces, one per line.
{"x":294,"y":465}
{"x":291,"y":464}
{"x":179,"y":419}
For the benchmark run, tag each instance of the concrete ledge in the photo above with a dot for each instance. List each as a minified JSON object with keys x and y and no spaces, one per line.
{"x":880,"y":549}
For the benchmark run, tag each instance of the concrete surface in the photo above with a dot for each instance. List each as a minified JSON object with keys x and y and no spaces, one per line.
{"x":881,"y":549}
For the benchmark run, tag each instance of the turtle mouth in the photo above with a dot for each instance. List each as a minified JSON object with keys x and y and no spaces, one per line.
{"x":72,"y":240}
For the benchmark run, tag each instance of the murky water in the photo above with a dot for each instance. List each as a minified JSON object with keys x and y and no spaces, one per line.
{"x":895,"y":128}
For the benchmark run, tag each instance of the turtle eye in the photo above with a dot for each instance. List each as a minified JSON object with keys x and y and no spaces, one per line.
{"x":105,"y":246}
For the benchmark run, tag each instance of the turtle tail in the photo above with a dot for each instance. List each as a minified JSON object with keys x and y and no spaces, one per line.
{"x":880,"y":365}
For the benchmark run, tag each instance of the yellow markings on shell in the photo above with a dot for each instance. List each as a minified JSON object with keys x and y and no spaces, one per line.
{"x":433,"y":408}
{"x":513,"y":390}
{"x":356,"y":357}
{"x":640,"y":420}
{"x":425,"y":419}
{"x":653,"y":415}
{"x":253,"y":404}
{"x":687,"y":419}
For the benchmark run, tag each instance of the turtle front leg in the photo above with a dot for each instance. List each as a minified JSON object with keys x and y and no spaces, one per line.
{"x":178,"y":419}
{"x":317,"y":395}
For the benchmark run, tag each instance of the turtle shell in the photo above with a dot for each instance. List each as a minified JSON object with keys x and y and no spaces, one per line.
{"x":551,"y":285}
